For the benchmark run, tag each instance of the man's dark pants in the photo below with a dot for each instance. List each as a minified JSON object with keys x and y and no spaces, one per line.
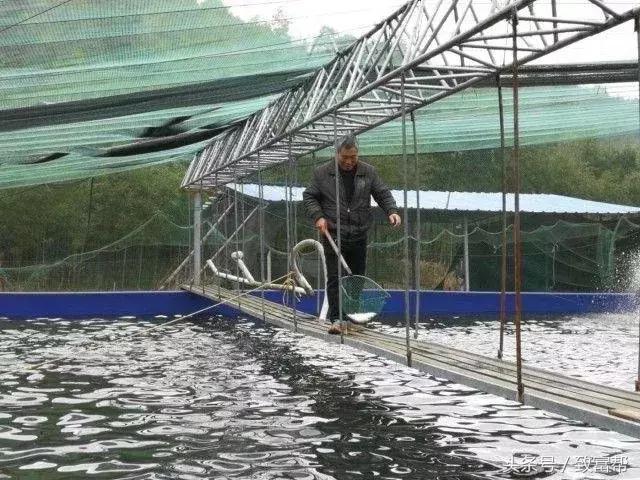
{"x":355,"y":254}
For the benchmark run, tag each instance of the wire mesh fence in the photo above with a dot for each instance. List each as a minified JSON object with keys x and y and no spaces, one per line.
{"x":558,"y":255}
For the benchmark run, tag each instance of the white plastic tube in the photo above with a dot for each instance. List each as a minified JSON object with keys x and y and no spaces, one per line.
{"x":238,"y":257}
{"x":251,"y":282}
{"x":324,"y":310}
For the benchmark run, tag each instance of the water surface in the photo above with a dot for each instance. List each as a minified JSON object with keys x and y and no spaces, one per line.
{"x":600,"y":348}
{"x":209,"y":399}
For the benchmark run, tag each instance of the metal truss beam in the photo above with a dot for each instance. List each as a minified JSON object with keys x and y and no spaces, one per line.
{"x":428,"y":50}
{"x":541,"y":75}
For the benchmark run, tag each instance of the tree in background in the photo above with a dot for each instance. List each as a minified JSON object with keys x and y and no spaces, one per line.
{"x":45,"y":224}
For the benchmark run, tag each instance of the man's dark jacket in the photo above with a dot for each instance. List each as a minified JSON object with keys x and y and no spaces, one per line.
{"x":355,"y":216}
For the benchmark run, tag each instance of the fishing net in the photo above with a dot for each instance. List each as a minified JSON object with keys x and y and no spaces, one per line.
{"x":362,"y":298}
{"x":150,"y":246}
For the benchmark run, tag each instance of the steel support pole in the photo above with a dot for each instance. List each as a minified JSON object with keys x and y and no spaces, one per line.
{"x":235,"y":233}
{"x":467,"y":283}
{"x":287,"y":205}
{"x":516,"y":219}
{"x":190,"y":240}
{"x":290,"y":210}
{"x":224,"y":250}
{"x":202,"y":241}
{"x":197,"y":237}
{"x":503,"y":257}
{"x":407,"y":275}
{"x":318,"y":266}
{"x":637,"y":28}
{"x":89,"y":211}
{"x":225,"y":238}
{"x":242,"y":214}
{"x":554,"y":14}
{"x":338,"y":186}
{"x":189,"y":257}
{"x":294,"y":183}
{"x":236,"y":230}
{"x":418,"y":239}
{"x":262,"y":237}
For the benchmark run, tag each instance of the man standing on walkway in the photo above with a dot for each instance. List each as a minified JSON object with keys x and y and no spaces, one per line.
{"x":358,"y":182}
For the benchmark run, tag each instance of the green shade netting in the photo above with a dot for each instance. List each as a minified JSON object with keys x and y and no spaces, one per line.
{"x":462,"y":122}
{"x":79,"y":78}
{"x":548,"y":114}
{"x":469,"y":120}
{"x":19,"y":152}
{"x":160,"y":78}
{"x":88,"y":49}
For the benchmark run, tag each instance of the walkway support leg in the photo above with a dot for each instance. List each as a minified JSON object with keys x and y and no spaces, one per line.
{"x":189,"y":257}
{"x":418,"y":239}
{"x":637,"y":27}
{"x":197,"y":238}
{"x":516,"y":219}
{"x":407,"y":270}
{"x":290,"y":228}
{"x":343,"y":324}
{"x":503,"y":259}
{"x":467,"y":282}
{"x":262,"y":236}
{"x":237,"y":228}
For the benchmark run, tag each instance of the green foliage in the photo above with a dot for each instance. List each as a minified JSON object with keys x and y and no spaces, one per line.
{"x":596,"y":170}
{"x":46,"y":223}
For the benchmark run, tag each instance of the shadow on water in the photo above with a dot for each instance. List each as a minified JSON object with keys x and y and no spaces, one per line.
{"x":367,"y":439}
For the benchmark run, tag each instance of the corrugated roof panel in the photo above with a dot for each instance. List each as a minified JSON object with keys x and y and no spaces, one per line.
{"x":468,"y":201}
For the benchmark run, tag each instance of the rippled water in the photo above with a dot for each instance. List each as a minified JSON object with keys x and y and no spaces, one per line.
{"x":599,"y":348}
{"x":207,"y":399}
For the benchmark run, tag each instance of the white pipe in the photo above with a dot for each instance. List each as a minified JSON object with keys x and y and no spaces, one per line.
{"x":238,"y":257}
{"x":303,"y":281}
{"x":226,"y":276}
{"x":235,"y":278}
{"x":359,"y":317}
{"x":305,"y":287}
{"x":296,"y":269}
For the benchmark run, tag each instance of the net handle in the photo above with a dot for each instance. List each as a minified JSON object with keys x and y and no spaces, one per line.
{"x":335,"y":249}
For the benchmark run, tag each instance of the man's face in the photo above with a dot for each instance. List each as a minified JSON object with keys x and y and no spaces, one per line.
{"x":348,"y":158}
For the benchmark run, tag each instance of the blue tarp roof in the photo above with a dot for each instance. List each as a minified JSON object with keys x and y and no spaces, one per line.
{"x":469,"y":201}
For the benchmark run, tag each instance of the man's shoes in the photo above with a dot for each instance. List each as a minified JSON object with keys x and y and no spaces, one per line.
{"x":335,"y":328}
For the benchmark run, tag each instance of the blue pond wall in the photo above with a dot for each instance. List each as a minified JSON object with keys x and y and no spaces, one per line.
{"x":145,"y":304}
{"x":479,"y":303}
{"x":101,"y":304}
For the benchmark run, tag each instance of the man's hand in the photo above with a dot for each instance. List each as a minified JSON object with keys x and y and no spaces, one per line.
{"x":394,"y":220}
{"x":322,"y":225}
